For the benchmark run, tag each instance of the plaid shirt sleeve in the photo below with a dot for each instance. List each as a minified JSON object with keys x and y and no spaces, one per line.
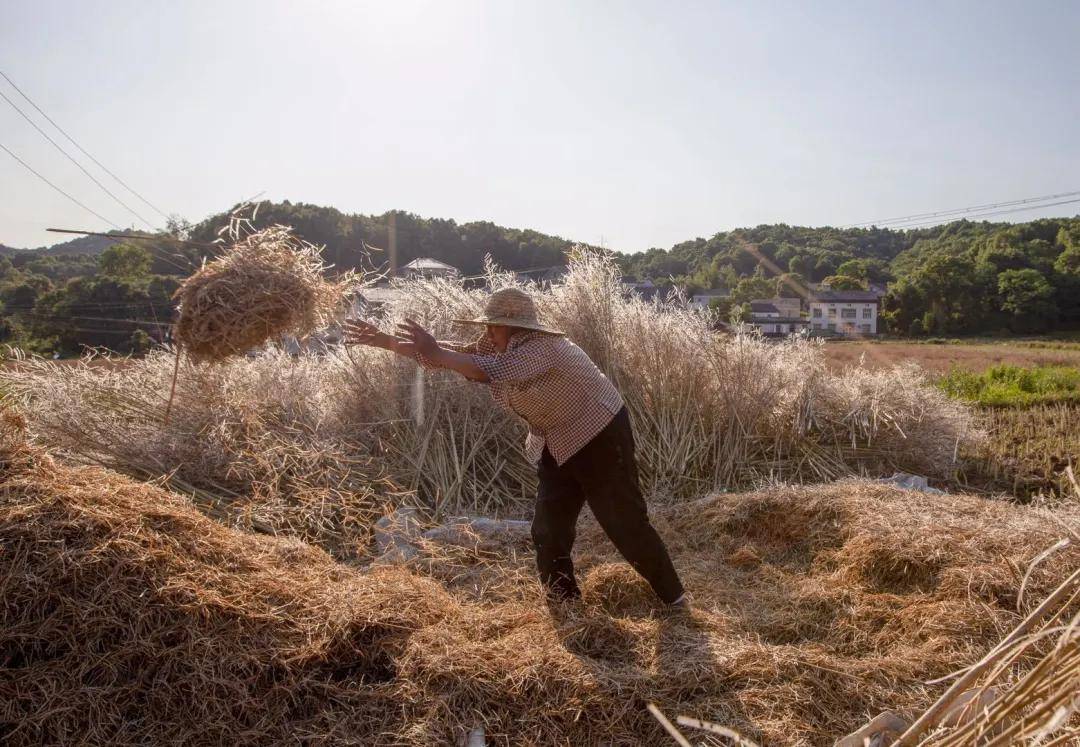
{"x":479,"y":346}
{"x":521,"y":363}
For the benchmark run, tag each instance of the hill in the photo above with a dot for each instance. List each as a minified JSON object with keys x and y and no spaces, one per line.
{"x":79,"y":245}
{"x":955,"y":279}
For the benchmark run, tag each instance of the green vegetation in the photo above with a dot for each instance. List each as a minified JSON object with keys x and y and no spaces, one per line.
{"x":963,"y":278}
{"x":1014,"y":386}
{"x":959,"y":279}
{"x":67,"y":303}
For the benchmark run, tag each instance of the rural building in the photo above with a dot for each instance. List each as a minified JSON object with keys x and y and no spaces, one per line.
{"x":703,"y":299}
{"x":545,"y":277}
{"x":844,"y":312}
{"x":425,"y":267}
{"x":776,"y":316}
{"x":370,"y":300}
{"x":646,"y":290}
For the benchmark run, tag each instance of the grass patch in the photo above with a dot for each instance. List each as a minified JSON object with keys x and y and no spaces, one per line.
{"x":1014,"y":386}
{"x":1026,"y":451}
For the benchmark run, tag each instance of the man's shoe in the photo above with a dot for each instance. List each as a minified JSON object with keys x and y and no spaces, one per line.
{"x":682,"y":604}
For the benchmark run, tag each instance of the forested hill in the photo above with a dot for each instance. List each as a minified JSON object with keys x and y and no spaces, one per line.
{"x":78,"y":245}
{"x":463,"y":245}
{"x":955,"y":279}
{"x":959,"y":278}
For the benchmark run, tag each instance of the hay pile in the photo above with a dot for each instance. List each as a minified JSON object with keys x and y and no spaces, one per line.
{"x":296,"y":444}
{"x":128,"y":617}
{"x":263,"y":285}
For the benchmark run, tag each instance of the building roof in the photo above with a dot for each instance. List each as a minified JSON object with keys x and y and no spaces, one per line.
{"x":379,"y":293}
{"x":779,"y":320}
{"x":845,"y":296}
{"x":713,"y":293}
{"x":427,"y":263}
{"x":763,"y":307}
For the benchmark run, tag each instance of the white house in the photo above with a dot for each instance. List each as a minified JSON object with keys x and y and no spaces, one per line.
{"x":703,"y":299}
{"x":852,"y":313}
{"x":776,"y":316}
{"x":425,"y":267}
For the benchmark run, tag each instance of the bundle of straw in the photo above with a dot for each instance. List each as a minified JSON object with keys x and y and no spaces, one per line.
{"x":264,"y":285}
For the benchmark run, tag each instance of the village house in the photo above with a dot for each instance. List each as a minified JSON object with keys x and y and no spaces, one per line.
{"x":853,"y":313}
{"x":704,"y":299}
{"x":425,"y":267}
{"x":645,"y":290}
{"x":545,"y":277}
{"x":777,"y":316}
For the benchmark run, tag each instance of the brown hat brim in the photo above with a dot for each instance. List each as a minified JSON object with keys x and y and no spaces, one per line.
{"x":509,"y":322}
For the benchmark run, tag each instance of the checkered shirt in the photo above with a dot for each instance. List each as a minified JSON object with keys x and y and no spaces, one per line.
{"x":552,"y":385}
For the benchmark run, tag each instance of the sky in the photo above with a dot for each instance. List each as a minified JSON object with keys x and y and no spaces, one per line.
{"x":632,"y":124}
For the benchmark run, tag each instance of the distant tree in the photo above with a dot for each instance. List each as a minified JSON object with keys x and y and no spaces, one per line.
{"x":739,"y":313}
{"x":125,"y":261}
{"x":1068,"y":262}
{"x":843,"y":283}
{"x":140,"y":342}
{"x":1028,"y":299}
{"x":853,"y":268}
{"x":178,"y":228}
{"x":867,"y":269}
{"x":750,"y":288}
{"x":801,"y":265}
{"x":903,"y":307}
{"x":20,"y":297}
{"x":791,"y":285}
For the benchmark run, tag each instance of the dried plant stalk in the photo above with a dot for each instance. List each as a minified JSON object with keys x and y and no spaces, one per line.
{"x":130,"y":618}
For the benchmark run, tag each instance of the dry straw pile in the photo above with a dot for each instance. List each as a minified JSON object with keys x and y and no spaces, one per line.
{"x":264,"y":284}
{"x":306,"y":446}
{"x":130,"y":618}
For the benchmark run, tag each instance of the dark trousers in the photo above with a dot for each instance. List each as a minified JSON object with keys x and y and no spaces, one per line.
{"x":604,"y":474}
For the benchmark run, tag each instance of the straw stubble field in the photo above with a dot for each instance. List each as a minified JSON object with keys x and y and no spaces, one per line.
{"x":816,"y":606}
{"x":1027,"y":447}
{"x":145,"y":622}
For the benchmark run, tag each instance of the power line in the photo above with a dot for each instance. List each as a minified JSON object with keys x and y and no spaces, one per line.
{"x":955,"y":211}
{"x":82,"y":149}
{"x":67,"y":155}
{"x":1000,"y":212}
{"x":65,"y":194}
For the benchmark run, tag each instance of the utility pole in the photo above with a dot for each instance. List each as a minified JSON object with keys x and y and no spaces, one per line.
{"x":391,"y":240}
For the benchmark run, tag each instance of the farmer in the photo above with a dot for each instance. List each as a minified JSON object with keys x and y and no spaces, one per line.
{"x":579,"y":434}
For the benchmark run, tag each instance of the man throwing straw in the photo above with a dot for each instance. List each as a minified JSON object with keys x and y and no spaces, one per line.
{"x":579,"y":434}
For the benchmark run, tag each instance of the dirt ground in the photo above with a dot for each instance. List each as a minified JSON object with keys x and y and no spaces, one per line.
{"x":940,"y":358}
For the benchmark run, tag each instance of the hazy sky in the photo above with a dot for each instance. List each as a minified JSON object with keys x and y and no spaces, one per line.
{"x":642,"y":123}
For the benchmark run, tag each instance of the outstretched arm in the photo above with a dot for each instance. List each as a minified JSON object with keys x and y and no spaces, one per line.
{"x":424,"y":344}
{"x":359,"y":332}
{"x":414,"y":342}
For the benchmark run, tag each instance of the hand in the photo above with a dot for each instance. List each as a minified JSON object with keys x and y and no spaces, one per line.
{"x":412,"y":334}
{"x":359,"y":332}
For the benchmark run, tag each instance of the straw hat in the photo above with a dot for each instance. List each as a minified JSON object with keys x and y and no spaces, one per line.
{"x":513,"y":308}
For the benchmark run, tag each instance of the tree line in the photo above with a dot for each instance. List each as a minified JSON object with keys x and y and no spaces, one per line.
{"x":961,"y":278}
{"x":955,"y":279}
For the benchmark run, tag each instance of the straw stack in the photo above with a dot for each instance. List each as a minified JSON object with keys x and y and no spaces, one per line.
{"x":263,"y":286}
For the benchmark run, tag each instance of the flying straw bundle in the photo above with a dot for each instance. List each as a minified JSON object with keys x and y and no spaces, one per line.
{"x":267,"y":284}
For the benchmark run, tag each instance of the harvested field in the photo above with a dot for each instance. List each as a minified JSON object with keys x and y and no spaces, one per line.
{"x":316,"y":447}
{"x":1026,"y":452}
{"x":130,"y":618}
{"x":976,"y":357}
